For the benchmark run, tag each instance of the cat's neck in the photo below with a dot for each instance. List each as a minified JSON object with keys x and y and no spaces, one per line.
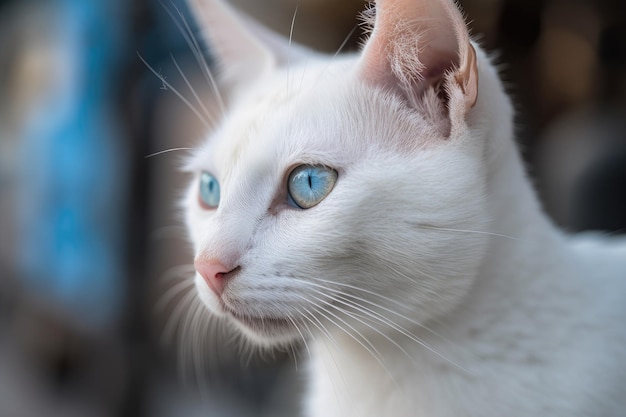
{"x":410,"y":378}
{"x":525,"y":248}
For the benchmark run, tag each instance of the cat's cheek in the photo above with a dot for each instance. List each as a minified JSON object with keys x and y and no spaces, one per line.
{"x":207,"y":296}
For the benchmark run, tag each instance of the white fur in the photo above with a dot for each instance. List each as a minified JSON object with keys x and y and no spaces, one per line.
{"x":430,"y":237}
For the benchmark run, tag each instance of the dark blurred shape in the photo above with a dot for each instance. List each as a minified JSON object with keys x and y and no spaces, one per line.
{"x":599,"y":200}
{"x":520,"y":25}
{"x":64,"y":162}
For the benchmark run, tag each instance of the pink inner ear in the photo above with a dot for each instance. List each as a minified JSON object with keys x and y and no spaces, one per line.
{"x":467,"y":76}
{"x":415,"y":43}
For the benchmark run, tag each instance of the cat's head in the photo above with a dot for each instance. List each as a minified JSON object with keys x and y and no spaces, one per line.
{"x":334,"y":192}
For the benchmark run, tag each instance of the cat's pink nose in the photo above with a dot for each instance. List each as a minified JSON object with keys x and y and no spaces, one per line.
{"x":215,"y":273}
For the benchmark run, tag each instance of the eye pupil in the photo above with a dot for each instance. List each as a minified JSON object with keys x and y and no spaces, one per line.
{"x":308,"y":185}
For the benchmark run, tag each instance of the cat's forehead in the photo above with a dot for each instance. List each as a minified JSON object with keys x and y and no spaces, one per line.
{"x":281,"y":116}
{"x":308,"y":114}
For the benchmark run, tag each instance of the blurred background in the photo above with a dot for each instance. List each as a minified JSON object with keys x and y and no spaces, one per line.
{"x":93,"y":255}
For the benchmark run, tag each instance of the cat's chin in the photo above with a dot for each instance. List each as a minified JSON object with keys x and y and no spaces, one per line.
{"x":265,"y":331}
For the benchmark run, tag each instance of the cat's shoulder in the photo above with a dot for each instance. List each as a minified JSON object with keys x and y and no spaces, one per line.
{"x":600,"y":260}
{"x":601,"y":249}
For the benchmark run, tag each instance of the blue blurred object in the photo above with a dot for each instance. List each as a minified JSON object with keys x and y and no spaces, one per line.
{"x":72,"y":189}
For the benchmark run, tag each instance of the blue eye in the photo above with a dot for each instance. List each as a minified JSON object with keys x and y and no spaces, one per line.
{"x":209,"y":192}
{"x":310,"y":184}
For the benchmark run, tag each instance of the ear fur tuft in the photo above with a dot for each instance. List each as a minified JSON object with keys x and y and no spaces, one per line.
{"x":418,"y":45}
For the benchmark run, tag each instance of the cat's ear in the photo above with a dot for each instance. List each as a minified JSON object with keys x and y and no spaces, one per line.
{"x":417,"y":45}
{"x":243,"y":48}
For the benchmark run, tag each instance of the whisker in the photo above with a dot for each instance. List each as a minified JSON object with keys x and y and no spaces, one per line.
{"x":212,"y":327}
{"x":202,"y":61}
{"x":194,"y":46}
{"x":249,"y":352}
{"x":171,"y":293}
{"x":345,"y":42}
{"x":304,"y":68}
{"x":354,"y":316}
{"x":340,"y":298}
{"x":181,"y":273}
{"x":328,"y":337}
{"x":358,"y":318}
{"x":293,"y":22}
{"x":181,"y":348}
{"x":391,"y":300}
{"x":295,"y":357}
{"x":175,"y":91}
{"x":332,"y":59}
{"x":290,"y":318}
{"x":177,"y":271}
{"x":197,"y":344}
{"x":385,"y":320}
{"x":304,"y":339}
{"x":166,"y":151}
{"x":321,"y":311}
{"x":218,"y":339}
{"x":174,"y":320}
{"x":193,"y":91}
{"x":480,"y":232}
{"x":377,"y":316}
{"x":189,"y":340}
{"x":320,"y":326}
{"x":291,"y":345}
{"x":186,"y":352}
{"x":370,"y":348}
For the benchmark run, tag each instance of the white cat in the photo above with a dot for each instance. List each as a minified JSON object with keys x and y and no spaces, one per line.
{"x":374,"y":206}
